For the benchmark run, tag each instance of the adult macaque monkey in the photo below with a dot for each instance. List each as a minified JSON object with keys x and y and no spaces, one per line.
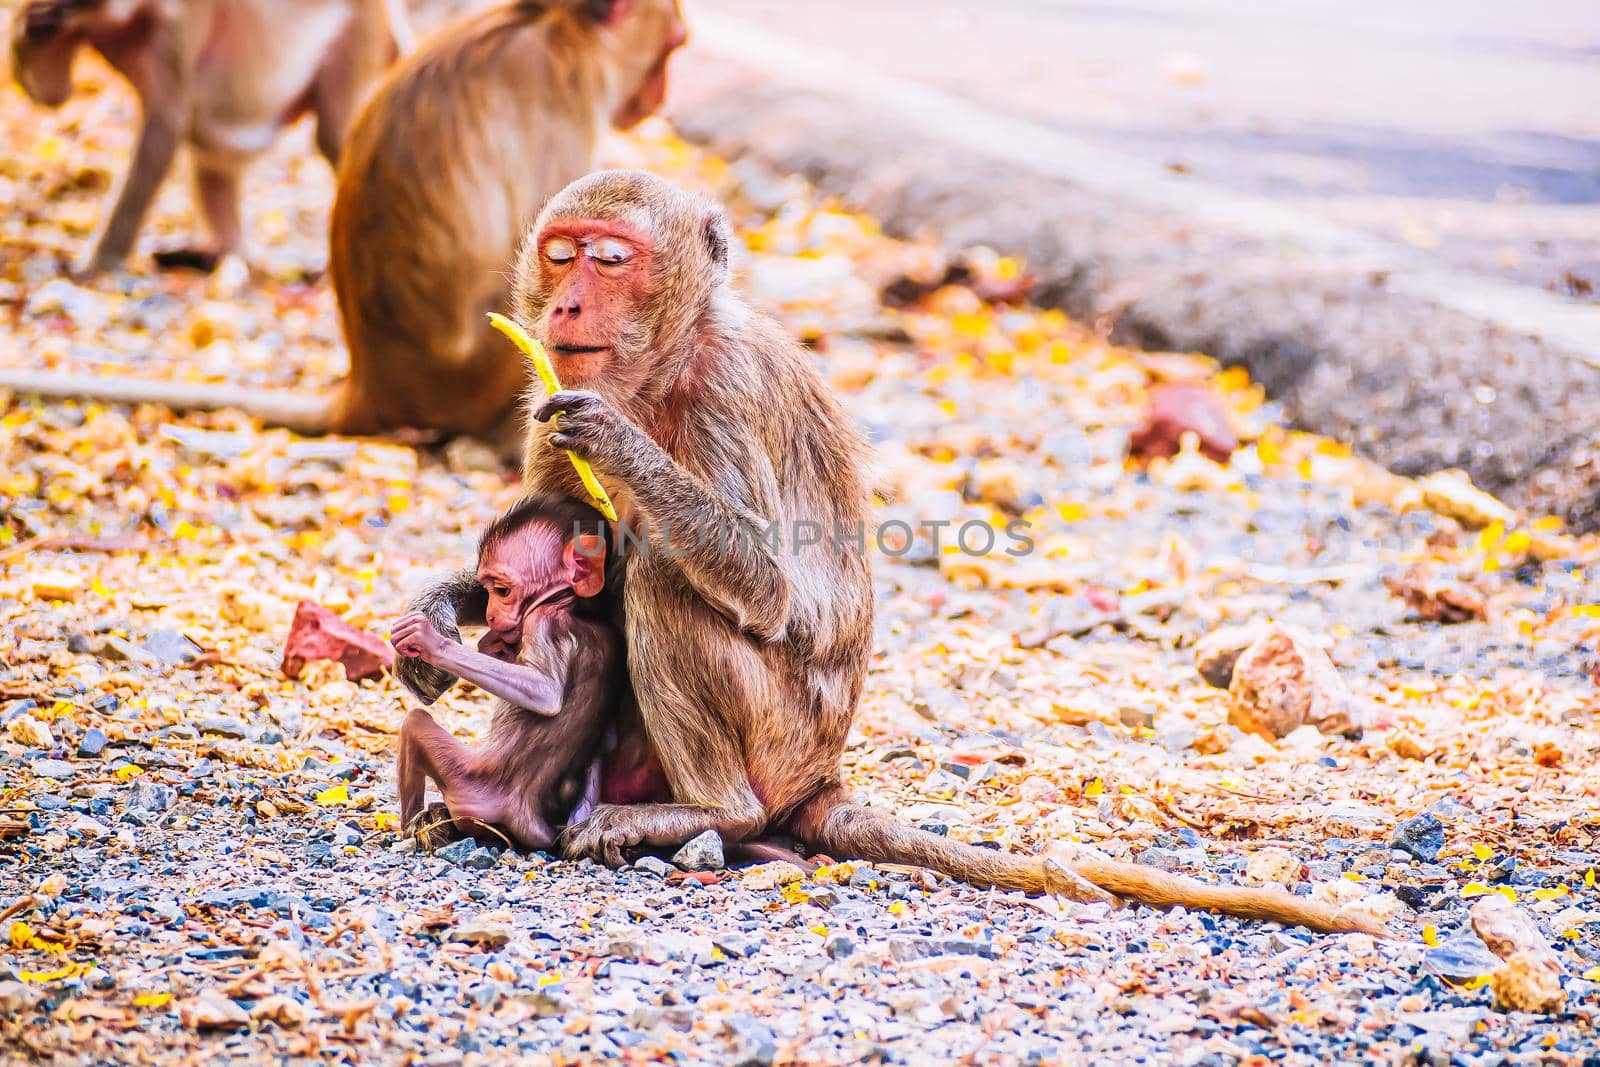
{"x":222,"y":76}
{"x":441,"y":174}
{"x":747,"y":652}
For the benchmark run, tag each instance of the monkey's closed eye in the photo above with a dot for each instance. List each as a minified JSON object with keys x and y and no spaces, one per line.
{"x":560,"y":250}
{"x":610,"y":250}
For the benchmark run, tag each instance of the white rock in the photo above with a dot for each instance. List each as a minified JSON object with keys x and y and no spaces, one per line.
{"x":701,"y":853}
{"x":26,"y":730}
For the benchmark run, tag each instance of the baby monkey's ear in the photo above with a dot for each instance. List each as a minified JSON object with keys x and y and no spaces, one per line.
{"x":585,"y":557}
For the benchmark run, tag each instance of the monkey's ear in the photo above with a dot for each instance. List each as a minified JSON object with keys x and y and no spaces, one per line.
{"x":585,"y":557}
{"x":718,"y":236}
{"x":606,"y":12}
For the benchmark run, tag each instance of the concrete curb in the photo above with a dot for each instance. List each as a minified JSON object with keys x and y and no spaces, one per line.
{"x":1420,"y":367}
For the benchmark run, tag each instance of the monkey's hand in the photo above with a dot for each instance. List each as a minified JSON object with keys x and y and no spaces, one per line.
{"x":590,"y":427}
{"x":414,"y":635}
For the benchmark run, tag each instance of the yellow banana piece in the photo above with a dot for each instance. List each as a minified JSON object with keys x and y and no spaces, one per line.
{"x":547,"y":374}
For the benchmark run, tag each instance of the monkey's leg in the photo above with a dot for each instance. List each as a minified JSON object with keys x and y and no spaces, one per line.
{"x":705,"y":769}
{"x":163,"y":118}
{"x":696,"y":685}
{"x":479,"y":805}
{"x":217,"y":185}
{"x":702,"y":763}
{"x":427,"y":751}
{"x":412,"y":765}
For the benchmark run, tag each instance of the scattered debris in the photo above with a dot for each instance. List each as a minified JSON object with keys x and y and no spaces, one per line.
{"x":1283,"y":681}
{"x":1434,"y":601}
{"x":1531,"y":977}
{"x":319,"y":634}
{"x":1182,"y":408}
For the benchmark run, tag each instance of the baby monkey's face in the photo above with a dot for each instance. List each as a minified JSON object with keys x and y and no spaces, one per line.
{"x":533,"y":571}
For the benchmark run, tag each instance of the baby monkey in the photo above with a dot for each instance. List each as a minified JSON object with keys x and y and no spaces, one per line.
{"x":554,"y":658}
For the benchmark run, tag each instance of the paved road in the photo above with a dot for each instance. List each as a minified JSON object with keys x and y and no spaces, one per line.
{"x":1467,"y":127}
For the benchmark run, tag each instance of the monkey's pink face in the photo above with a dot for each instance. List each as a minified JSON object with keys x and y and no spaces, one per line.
{"x":521,"y":574}
{"x":536,"y":571}
{"x":597,"y":274}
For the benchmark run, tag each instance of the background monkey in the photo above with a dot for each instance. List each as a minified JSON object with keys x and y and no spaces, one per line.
{"x":446,"y":168}
{"x":442,"y":172}
{"x":553,"y":657}
{"x":747,"y":656}
{"x":222,"y":76}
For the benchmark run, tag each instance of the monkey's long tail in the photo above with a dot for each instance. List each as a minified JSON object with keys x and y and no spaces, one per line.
{"x":830,"y":823}
{"x":314,"y":413}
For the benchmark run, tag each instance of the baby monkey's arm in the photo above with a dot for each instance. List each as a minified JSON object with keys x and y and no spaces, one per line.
{"x":533,"y":688}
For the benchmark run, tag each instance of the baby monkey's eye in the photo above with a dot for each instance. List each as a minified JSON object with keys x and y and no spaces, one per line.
{"x":610,"y":250}
{"x":560,"y":250}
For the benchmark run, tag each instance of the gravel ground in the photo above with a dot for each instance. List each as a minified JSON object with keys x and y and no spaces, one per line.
{"x":198,"y":856}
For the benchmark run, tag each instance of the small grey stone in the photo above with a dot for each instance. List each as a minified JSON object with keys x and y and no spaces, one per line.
{"x":824,"y":897}
{"x":701,"y":853}
{"x":738,"y":945}
{"x":1177,"y":735}
{"x":170,"y":647}
{"x":839,"y":946}
{"x":1136,"y":717}
{"x":150,"y":796}
{"x":1162,"y":859}
{"x":489,"y":934}
{"x":1422,"y":836}
{"x":1462,"y":957}
{"x":629,"y":948}
{"x":223,"y":727}
{"x":88,"y":827}
{"x":647,"y":1017}
{"x":754,"y":1041}
{"x":53,"y":768}
{"x":457,"y":852}
{"x":653,"y":865}
{"x":545,"y":1004}
{"x":906,"y":949}
{"x":92,"y":743}
{"x":982,"y":773}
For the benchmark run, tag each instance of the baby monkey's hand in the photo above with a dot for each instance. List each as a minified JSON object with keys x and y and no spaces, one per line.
{"x":415,"y":636}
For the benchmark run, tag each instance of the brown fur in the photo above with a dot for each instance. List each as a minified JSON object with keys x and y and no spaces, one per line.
{"x":496,"y":113}
{"x":536,"y":764}
{"x":442,"y":172}
{"x":286,"y":57}
{"x":746,"y":664}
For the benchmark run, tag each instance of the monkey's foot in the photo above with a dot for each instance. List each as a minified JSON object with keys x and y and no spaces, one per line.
{"x":203,"y":260}
{"x":602,"y":837}
{"x":433,"y":828}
